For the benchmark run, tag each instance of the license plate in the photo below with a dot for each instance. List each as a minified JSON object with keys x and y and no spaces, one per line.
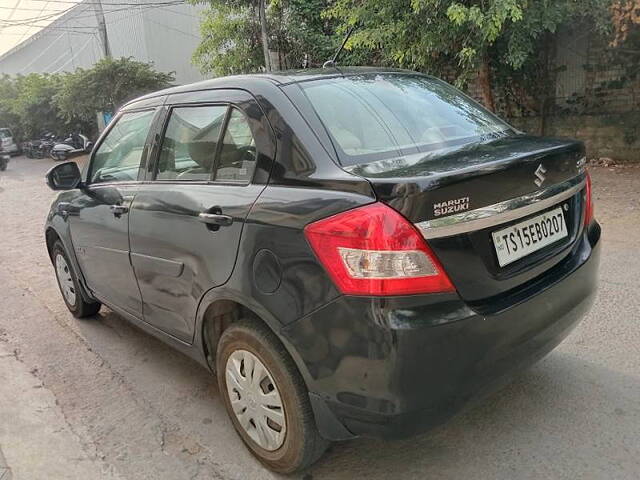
{"x":519,"y":240}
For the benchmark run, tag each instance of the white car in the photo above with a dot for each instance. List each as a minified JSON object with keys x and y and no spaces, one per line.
{"x":8,"y":143}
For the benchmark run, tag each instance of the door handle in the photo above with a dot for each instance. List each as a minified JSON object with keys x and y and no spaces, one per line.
{"x":63,"y":208}
{"x":215,"y":219}
{"x":118,"y":210}
{"x":66,"y":208}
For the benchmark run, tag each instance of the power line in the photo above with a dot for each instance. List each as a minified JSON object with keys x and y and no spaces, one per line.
{"x":33,"y":20}
{"x":73,"y":56}
{"x":13,"y":9}
{"x":23,"y":9}
{"x":33,"y":60}
{"x":67,"y":21}
{"x":104,"y":4}
{"x":173,"y":28}
{"x":37,"y":18}
{"x":115,"y":4}
{"x":25,"y":33}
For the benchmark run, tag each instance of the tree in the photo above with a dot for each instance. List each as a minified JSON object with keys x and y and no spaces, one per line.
{"x":302,"y":34}
{"x":458,"y":39}
{"x":35,"y":103}
{"x":233,"y":29}
{"x":237,"y":38}
{"x":430,"y":35}
{"x":230,"y":41}
{"x":479,"y":25}
{"x":105,"y":87}
{"x":8,"y":94}
{"x":27,"y":106}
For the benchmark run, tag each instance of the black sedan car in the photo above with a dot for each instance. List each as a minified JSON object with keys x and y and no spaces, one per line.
{"x":353,"y":252}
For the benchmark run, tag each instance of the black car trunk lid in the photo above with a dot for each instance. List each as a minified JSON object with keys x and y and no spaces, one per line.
{"x":452,"y":195}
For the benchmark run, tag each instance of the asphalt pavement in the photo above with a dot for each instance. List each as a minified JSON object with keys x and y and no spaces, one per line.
{"x":98,"y":398}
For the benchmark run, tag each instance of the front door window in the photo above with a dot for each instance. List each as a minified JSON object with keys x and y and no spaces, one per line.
{"x":118,"y":156}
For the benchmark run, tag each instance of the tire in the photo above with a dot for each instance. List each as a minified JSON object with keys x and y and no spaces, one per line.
{"x":58,"y":156}
{"x":70,"y":288}
{"x":300,"y":444}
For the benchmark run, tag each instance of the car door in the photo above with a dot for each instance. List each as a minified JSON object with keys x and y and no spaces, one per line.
{"x":99,"y":216}
{"x":186,"y":220}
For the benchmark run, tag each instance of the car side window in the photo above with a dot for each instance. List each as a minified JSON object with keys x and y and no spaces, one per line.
{"x":118,"y":156}
{"x":238,"y":154}
{"x":190,"y":141}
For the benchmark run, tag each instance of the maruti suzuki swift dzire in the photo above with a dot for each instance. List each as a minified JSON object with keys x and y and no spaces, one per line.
{"x":352,"y":252}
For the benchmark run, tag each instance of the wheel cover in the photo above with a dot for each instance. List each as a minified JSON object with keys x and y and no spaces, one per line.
{"x":67,"y":287}
{"x":255,"y":400}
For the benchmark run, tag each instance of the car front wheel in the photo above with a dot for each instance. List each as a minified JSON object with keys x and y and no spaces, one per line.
{"x":69,"y":285}
{"x":266,"y":398}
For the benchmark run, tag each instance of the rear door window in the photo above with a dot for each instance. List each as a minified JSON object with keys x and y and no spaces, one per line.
{"x":207,"y":143}
{"x":119,"y":154}
{"x":237,"y":160}
{"x":190,"y":143}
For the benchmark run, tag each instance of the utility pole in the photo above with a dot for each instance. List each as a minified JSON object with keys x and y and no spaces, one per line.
{"x":102,"y":28}
{"x":262,"y":14}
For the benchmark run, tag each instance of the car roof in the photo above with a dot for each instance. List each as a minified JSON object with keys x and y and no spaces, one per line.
{"x":274,"y":78}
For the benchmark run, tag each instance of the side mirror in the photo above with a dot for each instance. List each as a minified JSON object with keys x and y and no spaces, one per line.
{"x":65,"y":176}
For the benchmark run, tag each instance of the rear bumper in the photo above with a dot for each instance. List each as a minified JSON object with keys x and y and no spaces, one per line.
{"x":398,"y":366}
{"x":12,"y":149}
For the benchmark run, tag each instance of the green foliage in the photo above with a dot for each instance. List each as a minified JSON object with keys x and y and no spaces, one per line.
{"x":413,"y":34}
{"x":27,"y":105}
{"x":231,"y":42}
{"x":105,"y":87}
{"x":299,"y":29}
{"x":510,"y":42}
{"x":8,"y":117}
{"x":36,"y":103}
{"x":440,"y":36}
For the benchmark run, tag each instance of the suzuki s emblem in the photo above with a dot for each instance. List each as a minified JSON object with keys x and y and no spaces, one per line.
{"x":540,"y":178}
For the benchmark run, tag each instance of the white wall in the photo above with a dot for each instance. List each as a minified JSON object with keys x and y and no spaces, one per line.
{"x":166,"y":36}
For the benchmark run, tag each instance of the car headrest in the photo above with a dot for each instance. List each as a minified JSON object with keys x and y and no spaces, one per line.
{"x":203,"y":153}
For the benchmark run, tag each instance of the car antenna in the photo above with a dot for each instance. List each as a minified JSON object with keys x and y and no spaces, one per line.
{"x":332,"y":63}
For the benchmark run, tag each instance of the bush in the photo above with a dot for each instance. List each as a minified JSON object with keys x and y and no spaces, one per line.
{"x":36,"y":103}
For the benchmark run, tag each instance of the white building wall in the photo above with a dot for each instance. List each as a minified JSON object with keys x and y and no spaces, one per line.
{"x":166,"y":36}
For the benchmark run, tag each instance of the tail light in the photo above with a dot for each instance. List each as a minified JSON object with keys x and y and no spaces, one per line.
{"x":588,"y":204}
{"x":373,"y":250}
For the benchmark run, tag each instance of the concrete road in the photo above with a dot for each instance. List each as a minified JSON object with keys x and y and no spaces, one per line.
{"x":138,"y":410}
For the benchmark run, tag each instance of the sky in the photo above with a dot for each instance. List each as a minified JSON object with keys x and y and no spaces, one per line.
{"x":19,"y":19}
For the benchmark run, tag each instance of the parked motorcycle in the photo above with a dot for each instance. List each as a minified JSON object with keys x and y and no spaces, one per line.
{"x":74,"y":144}
{"x":39,"y":148}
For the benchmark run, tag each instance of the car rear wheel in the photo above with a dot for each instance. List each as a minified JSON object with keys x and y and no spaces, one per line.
{"x":69,"y":286}
{"x":266,"y":398}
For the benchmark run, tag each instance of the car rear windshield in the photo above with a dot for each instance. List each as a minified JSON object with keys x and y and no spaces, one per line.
{"x":377,"y":116}
{"x":5,"y":133}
